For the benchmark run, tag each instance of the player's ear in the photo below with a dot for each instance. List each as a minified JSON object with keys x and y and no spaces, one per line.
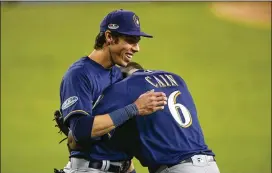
{"x":108,"y":37}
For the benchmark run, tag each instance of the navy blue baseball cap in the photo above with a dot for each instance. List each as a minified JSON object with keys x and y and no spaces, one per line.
{"x":123,"y":22}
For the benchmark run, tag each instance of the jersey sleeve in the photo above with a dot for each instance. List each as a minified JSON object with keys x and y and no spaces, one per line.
{"x":76,"y":95}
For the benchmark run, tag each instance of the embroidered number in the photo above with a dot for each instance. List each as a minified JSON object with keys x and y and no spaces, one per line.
{"x":174,"y":108}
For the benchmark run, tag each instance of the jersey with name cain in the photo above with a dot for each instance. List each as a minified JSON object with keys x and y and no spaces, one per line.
{"x":162,"y":80}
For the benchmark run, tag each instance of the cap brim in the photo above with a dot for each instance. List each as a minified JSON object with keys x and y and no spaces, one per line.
{"x":136,"y":33}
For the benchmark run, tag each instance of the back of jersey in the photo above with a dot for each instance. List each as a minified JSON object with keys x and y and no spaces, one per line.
{"x":173,"y":134}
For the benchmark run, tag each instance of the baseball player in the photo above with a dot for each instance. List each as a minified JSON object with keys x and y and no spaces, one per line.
{"x":85,"y":80}
{"x":167,"y":141}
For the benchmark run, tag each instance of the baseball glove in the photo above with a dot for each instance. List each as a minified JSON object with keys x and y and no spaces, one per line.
{"x":58,"y":118}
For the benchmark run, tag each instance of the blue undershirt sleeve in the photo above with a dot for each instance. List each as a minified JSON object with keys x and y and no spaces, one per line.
{"x":81,"y":127}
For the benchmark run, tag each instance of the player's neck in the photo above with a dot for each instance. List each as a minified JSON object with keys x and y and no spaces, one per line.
{"x":101,"y":56}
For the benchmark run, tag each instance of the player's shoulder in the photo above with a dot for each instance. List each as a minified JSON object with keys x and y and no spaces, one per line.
{"x":155,"y":72}
{"x":170,"y":73}
{"x":159,"y":75}
{"x":77,"y":69}
{"x":164,"y":72}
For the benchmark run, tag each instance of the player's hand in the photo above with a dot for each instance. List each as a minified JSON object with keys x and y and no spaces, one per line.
{"x":150,"y":102}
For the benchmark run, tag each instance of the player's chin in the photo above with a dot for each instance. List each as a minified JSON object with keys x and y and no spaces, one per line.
{"x":122,"y":64}
{"x":125,"y":62}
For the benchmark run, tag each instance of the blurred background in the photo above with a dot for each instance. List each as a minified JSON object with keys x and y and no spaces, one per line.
{"x":221,"y":49}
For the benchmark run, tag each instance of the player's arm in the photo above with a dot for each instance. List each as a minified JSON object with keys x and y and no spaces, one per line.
{"x":76,"y":108}
{"x":84,"y":127}
{"x":146,"y":104}
{"x":76,"y":102}
{"x":102,"y":125}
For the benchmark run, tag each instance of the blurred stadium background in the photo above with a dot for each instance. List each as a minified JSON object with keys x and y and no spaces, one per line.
{"x":225,"y":61}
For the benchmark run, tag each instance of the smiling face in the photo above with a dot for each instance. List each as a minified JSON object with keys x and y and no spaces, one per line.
{"x":123,"y":49}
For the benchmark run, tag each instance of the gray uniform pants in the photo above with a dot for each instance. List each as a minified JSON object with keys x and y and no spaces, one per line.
{"x":200,"y":164}
{"x":81,"y":166}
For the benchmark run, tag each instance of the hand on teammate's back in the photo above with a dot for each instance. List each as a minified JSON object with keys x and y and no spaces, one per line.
{"x":150,"y":102}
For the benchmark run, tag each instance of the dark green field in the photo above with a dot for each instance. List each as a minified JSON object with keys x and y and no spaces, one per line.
{"x":227,"y":67}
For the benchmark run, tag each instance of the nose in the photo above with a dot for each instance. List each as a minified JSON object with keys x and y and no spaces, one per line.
{"x":136,"y":47}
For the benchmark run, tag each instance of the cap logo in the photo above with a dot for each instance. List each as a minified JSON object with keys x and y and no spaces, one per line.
{"x":113,"y":26}
{"x":136,"y":20}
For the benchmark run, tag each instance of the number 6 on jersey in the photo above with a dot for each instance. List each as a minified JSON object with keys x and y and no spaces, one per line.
{"x":174,"y":106}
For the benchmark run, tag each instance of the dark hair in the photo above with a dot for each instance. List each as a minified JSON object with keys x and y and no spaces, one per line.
{"x":131,"y":65}
{"x":100,"y":39}
{"x":134,"y":65}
